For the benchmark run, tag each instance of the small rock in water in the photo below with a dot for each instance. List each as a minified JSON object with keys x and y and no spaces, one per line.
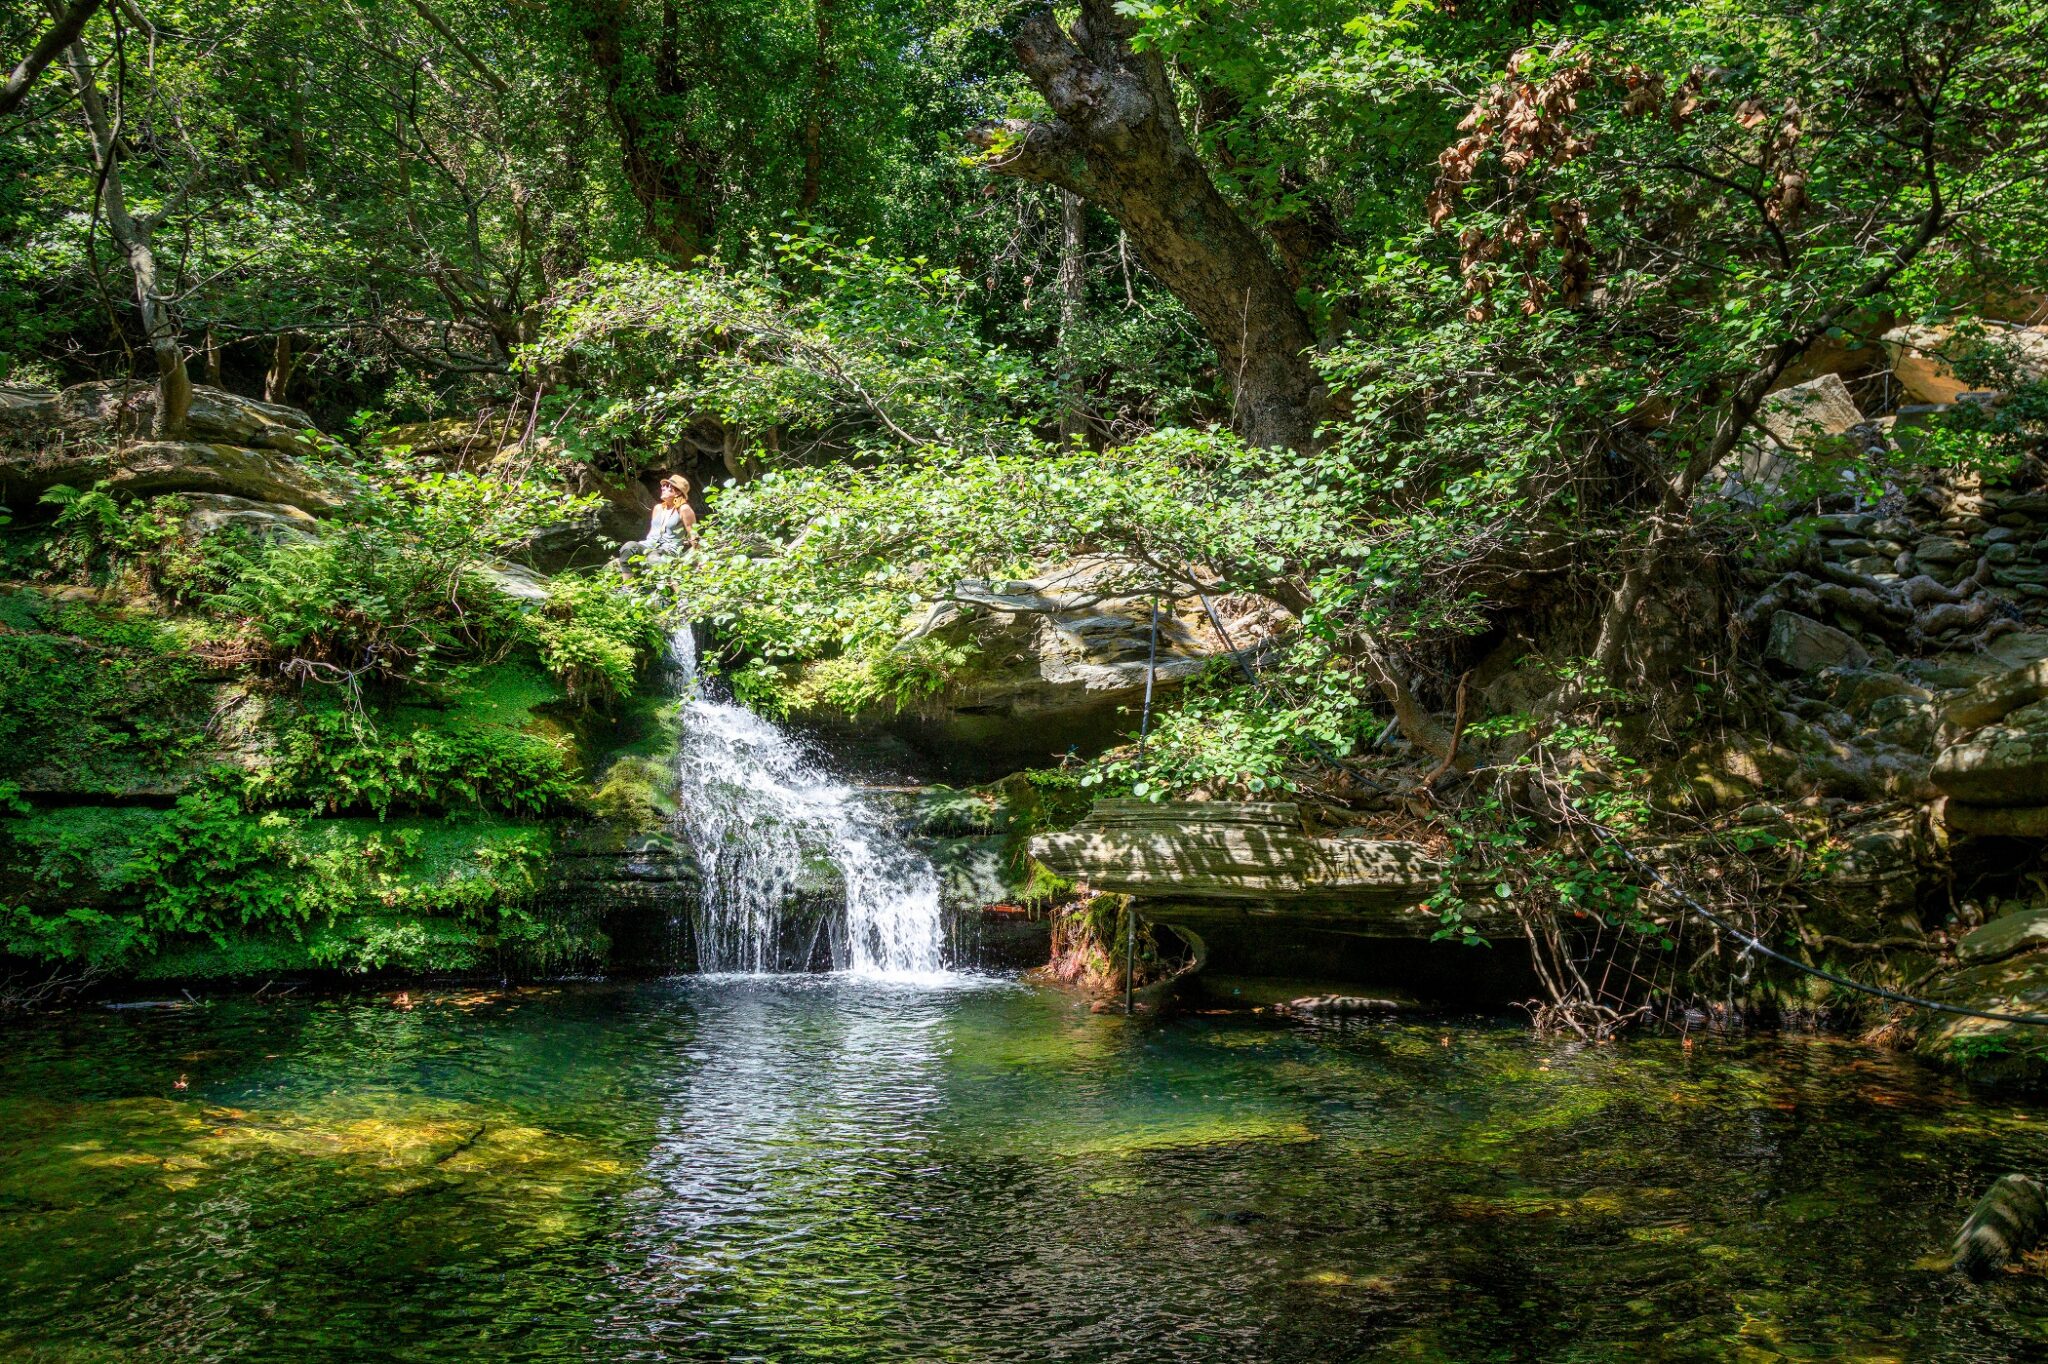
{"x":2006,"y":1223}
{"x":1339,"y":1004}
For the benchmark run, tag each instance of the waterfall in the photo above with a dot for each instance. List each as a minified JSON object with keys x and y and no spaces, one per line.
{"x":765,"y":819}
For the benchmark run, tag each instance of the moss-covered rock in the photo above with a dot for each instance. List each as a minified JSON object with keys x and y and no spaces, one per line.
{"x":1990,"y":1049}
{"x":978,"y":837}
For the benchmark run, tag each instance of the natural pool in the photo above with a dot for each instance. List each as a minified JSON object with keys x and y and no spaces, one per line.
{"x":823,"y":1168}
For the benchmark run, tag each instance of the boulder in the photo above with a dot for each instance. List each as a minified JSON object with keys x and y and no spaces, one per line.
{"x":1991,"y":1048}
{"x":2005,"y":935}
{"x":2003,"y":764}
{"x":1799,"y":419}
{"x":1059,"y":661}
{"x":1801,"y":416}
{"x":1996,"y":821}
{"x":512,"y":581}
{"x":1801,"y":644}
{"x":2007,"y":1222}
{"x":1075,"y":636}
{"x":1998,"y":696}
{"x":232,"y":446}
{"x":1883,"y":866}
{"x":151,"y":467}
{"x":212,"y":513}
{"x":451,"y":443}
{"x":1921,"y":355}
{"x":110,"y":411}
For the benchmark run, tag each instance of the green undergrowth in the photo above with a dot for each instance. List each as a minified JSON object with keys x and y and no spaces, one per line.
{"x":95,"y":698}
{"x":166,"y":814}
{"x":210,"y":888}
{"x":487,"y":744}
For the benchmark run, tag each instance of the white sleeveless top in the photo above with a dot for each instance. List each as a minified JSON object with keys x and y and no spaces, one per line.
{"x":664,"y":530}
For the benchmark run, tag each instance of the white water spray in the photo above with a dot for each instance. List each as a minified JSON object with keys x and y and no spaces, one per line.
{"x":764,"y":820}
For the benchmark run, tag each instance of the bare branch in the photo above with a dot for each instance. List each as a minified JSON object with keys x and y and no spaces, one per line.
{"x":60,"y":35}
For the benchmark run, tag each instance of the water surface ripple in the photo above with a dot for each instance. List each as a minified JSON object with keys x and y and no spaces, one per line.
{"x":827,"y":1168}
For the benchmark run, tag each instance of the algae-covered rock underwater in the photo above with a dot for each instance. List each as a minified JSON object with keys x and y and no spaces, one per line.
{"x":1256,"y":682}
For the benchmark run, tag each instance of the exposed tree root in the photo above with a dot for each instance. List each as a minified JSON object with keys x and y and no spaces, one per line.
{"x":1919,"y":614}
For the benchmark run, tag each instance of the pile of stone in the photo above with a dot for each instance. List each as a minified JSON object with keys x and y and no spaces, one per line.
{"x":1994,"y":769}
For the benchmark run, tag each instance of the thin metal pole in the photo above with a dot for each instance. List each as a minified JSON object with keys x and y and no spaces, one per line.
{"x":1151,"y":667}
{"x":1144,"y":727}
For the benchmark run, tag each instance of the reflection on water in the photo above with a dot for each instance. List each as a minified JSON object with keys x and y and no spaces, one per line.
{"x":823,"y":1168}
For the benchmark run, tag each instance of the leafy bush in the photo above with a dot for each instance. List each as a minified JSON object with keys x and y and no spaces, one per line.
{"x":94,"y":534}
{"x":212,"y":867}
{"x":811,"y":346}
{"x":886,"y":677}
{"x":392,"y":586}
{"x":334,"y":760}
{"x":594,"y":633}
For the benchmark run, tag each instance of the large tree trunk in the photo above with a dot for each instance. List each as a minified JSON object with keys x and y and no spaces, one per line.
{"x":133,"y":236}
{"x":822,"y":72}
{"x":666,"y":170}
{"x":1073,"y":305}
{"x":277,"y":380}
{"x":1117,"y":141}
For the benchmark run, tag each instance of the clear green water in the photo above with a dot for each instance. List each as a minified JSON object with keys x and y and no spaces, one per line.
{"x":809,"y":1169}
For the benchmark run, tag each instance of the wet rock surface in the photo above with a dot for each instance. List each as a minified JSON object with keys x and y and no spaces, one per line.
{"x":1236,"y":850}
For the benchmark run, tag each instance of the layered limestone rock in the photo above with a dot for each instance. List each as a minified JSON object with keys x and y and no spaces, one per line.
{"x":1234,"y":850}
{"x":1058,"y":660}
{"x":1989,"y":1048}
{"x":1995,"y":772}
{"x":1922,"y":357}
{"x":94,"y":433}
{"x":1229,"y":860}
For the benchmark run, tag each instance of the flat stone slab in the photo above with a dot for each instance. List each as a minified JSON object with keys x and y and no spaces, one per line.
{"x":1998,"y":821}
{"x":1239,"y":851}
{"x":1997,"y":697}
{"x":2001,"y":764}
{"x":2005,"y":935}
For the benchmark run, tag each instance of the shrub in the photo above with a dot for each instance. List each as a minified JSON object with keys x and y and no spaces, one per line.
{"x":336,"y":760}
{"x":594,"y":633}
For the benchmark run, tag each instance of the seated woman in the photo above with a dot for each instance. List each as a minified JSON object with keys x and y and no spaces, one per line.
{"x":674,"y":523}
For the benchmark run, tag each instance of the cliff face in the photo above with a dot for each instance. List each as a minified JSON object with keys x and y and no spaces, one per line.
{"x":180,"y":805}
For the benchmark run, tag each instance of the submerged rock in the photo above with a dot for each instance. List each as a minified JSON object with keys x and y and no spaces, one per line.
{"x":2006,"y":1223}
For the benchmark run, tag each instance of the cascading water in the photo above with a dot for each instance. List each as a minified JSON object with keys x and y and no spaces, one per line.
{"x":765,"y":820}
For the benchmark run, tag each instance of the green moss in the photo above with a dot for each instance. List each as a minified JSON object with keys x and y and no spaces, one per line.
{"x":485,"y":748}
{"x":94,"y":700}
{"x":207,"y":889}
{"x":636,"y":796}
